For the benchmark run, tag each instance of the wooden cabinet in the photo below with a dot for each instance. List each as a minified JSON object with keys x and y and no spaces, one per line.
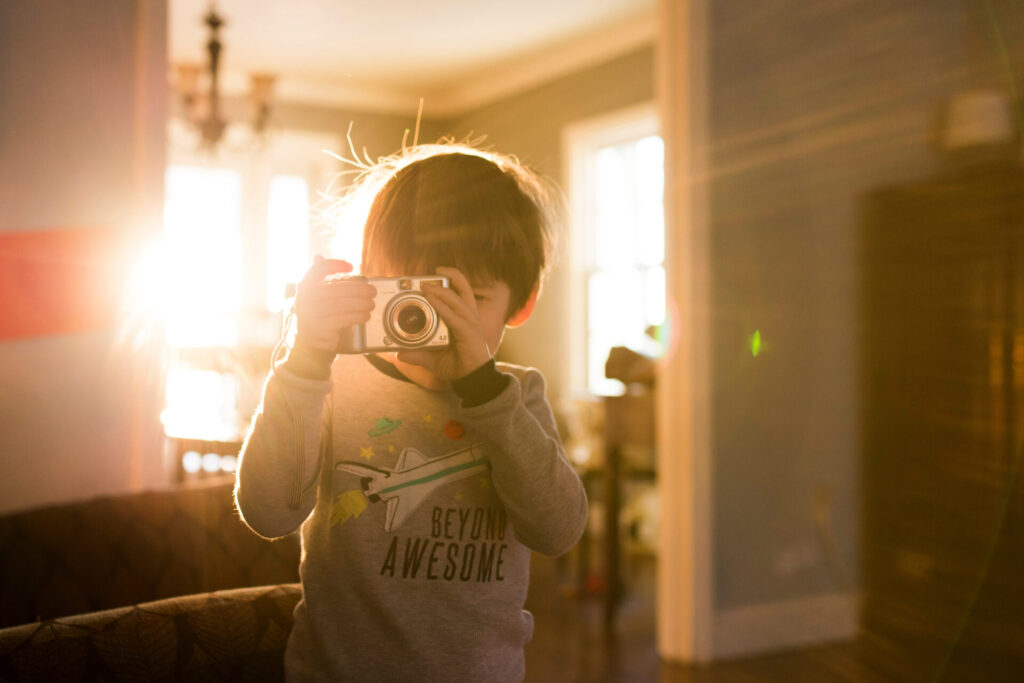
{"x":942,"y":413}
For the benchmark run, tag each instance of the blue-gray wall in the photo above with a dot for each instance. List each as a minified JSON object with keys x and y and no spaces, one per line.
{"x":811,"y":104}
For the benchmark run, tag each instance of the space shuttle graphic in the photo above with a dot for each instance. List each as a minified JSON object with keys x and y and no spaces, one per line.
{"x":413,"y":479}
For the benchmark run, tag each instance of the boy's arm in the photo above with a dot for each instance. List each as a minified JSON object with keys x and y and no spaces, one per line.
{"x":541,"y":492}
{"x":275,"y":487}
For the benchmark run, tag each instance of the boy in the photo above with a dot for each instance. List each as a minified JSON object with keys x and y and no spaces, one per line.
{"x":421,"y":479}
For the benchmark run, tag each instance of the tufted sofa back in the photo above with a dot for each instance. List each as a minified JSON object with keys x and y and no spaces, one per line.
{"x":232,"y":635}
{"x":127,"y":549}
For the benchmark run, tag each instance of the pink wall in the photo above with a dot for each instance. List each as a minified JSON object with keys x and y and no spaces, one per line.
{"x":81,"y":179}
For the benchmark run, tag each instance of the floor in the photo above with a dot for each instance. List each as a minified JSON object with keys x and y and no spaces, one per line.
{"x":569,"y":644}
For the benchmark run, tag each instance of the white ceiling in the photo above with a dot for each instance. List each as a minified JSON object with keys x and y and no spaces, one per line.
{"x":389,"y":53}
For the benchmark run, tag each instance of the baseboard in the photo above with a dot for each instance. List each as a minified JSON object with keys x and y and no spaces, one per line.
{"x":784,"y":625}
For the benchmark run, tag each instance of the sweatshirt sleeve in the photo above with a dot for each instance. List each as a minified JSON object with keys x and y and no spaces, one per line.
{"x":275,"y":486}
{"x":541,"y":492}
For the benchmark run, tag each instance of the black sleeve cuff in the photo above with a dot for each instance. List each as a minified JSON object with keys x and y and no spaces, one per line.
{"x":481,"y":385}
{"x":309,"y":363}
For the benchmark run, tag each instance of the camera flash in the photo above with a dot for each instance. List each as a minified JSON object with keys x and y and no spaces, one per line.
{"x":435,"y":283}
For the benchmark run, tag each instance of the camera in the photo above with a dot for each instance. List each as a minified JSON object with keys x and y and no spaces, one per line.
{"x":402,"y":318}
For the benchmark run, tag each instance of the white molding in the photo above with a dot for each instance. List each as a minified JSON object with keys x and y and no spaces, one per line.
{"x":472,"y":90}
{"x":324,"y":93}
{"x":357,"y":96}
{"x":685,"y":580}
{"x":782,"y":625}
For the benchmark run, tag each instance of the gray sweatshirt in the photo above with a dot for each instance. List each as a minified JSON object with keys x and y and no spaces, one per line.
{"x":415,"y":559}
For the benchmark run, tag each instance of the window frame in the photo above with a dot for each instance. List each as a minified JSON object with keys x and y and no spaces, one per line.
{"x":581,"y":142}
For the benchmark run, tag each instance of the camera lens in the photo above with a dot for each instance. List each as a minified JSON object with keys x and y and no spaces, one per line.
{"x":412,"y":319}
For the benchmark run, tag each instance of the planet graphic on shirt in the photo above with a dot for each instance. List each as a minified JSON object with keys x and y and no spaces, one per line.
{"x":384,"y":425}
{"x":454,"y":430}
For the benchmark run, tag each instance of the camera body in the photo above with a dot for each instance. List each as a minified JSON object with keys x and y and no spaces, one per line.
{"x":402,"y":318}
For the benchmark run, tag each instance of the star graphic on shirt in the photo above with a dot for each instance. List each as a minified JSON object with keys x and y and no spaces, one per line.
{"x":366,"y":452}
{"x":458,"y":496}
{"x":428,"y":418}
{"x":391,"y":449}
{"x":485,"y":484}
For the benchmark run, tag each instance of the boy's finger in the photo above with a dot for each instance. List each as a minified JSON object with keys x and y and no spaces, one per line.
{"x":457,"y":322}
{"x":328,"y":307}
{"x":314,"y":310}
{"x":424,"y":359}
{"x":459,"y":283}
{"x":324,"y":267}
{"x":348,"y":319}
{"x":352,"y":304}
{"x":455,"y":301}
{"x":352,"y":289}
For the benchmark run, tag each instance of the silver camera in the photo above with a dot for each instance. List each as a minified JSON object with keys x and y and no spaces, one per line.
{"x":401,"y":319}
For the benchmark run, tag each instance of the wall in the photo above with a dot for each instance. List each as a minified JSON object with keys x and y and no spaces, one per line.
{"x":81,"y":177}
{"x":530,"y":125}
{"x":811,"y":105}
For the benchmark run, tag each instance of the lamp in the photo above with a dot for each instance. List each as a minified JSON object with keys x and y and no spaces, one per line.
{"x":202,"y":111}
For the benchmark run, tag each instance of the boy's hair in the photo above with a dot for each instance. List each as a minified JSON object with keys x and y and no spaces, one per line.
{"x":453,"y":205}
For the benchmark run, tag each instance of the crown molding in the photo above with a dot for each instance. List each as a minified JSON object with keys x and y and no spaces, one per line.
{"x":325,"y":93}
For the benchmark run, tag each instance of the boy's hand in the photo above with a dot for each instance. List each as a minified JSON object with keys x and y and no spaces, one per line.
{"x":457,"y":307}
{"x":324,"y":306}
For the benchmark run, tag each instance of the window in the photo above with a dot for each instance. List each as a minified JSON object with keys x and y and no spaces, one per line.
{"x":203,"y":253}
{"x":201,"y":404}
{"x":618,"y":237}
{"x":287,"y":236}
{"x":236,"y":232}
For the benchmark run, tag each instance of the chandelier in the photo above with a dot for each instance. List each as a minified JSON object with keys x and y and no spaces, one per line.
{"x":204,"y":111}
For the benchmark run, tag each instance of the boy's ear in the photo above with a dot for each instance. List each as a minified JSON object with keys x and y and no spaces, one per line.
{"x":523,"y":314}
